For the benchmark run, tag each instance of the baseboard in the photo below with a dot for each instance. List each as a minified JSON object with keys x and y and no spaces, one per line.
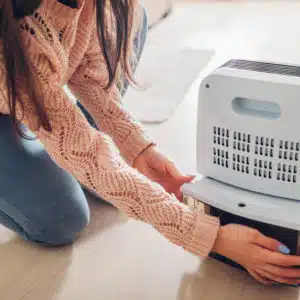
{"x":157,"y":10}
{"x":164,"y":16}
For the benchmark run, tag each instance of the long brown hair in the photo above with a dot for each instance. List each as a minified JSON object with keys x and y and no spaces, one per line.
{"x":115,"y":42}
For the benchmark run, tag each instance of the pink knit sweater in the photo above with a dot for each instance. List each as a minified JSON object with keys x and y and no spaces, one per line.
{"x":63,"y":48}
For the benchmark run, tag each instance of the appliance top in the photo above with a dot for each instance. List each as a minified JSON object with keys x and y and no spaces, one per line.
{"x":263,"y":67}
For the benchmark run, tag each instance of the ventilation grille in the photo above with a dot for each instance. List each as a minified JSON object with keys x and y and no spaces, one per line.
{"x":221,"y":136}
{"x":264,"y":67}
{"x":264,"y":146}
{"x":262,"y":168}
{"x":287,"y":172}
{"x":241,"y":141}
{"x":221,"y":157}
{"x":240,"y":163}
{"x":289,"y":150}
{"x":258,"y":156}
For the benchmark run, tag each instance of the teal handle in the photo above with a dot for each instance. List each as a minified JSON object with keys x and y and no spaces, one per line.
{"x":256,"y":108}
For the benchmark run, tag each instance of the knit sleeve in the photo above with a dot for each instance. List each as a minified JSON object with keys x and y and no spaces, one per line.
{"x":93,"y":159}
{"x":87,"y":84}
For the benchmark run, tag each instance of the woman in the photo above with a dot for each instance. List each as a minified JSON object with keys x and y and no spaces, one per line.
{"x":89,"y":45}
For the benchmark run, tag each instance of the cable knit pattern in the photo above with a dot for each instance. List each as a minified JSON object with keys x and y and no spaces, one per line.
{"x":63,"y":48}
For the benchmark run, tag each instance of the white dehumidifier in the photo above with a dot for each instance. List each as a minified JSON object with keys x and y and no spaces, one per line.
{"x":249,"y":149}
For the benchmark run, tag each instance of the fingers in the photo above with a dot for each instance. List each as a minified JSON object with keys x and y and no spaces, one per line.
{"x":174,"y":172}
{"x":270,"y":244}
{"x":284,"y":260}
{"x":260,"y":278}
{"x":190,"y":178}
{"x":279,"y":279}
{"x":180,"y":182}
{"x":282,"y":272}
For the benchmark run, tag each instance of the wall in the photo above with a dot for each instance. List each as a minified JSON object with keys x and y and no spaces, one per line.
{"x":156,"y":9}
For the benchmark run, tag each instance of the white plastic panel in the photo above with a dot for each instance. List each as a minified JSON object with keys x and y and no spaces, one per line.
{"x":267,"y":209}
{"x":251,"y":151}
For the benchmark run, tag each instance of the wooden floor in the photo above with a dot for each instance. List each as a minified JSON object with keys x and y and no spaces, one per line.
{"x":117,"y":258}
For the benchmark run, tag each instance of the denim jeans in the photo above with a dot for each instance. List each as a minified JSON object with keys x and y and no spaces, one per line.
{"x":39,"y":200}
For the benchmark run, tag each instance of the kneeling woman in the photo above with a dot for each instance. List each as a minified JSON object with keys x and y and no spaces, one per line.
{"x":92,"y":46}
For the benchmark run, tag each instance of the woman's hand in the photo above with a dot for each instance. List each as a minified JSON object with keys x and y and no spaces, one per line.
{"x":157,"y":167}
{"x":266,"y":259}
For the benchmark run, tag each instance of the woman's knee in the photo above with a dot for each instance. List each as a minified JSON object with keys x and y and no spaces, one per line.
{"x":38,"y":200}
{"x":63,"y":226}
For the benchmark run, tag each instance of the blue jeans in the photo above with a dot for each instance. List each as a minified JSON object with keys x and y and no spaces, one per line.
{"x":39,"y":200}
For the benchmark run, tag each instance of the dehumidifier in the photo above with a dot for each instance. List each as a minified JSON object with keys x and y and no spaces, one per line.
{"x":248,"y":149}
